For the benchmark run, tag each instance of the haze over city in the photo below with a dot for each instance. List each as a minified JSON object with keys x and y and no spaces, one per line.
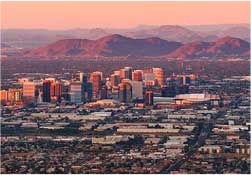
{"x":125,"y":88}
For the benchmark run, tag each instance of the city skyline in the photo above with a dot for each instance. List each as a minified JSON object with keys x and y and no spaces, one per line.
{"x":125,"y":87}
{"x":68,"y":15}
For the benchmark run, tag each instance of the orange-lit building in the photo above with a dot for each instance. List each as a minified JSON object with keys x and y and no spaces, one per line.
{"x":4,"y":96}
{"x":159,"y":75}
{"x":137,"y":75}
{"x":14,"y":95}
{"x":148,"y":98}
{"x":96,"y":78}
{"x":126,"y":73}
{"x":55,"y":91}
{"x":29,"y":89}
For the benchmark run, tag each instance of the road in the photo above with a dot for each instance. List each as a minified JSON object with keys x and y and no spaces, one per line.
{"x":206,"y":129}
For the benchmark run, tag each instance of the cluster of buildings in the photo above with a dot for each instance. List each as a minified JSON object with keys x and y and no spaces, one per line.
{"x":125,"y":85}
{"x":141,"y":120}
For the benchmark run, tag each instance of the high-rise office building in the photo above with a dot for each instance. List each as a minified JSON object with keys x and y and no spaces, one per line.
{"x":159,"y":75}
{"x":126,"y":73}
{"x":76,"y":92}
{"x":148,"y":98}
{"x":137,"y":75}
{"x":96,"y":78}
{"x":55,"y":91}
{"x":125,"y":92}
{"x":29,"y":89}
{"x":83,"y":77}
{"x":103,"y":92}
{"x":14,"y":95}
{"x":47,"y":90}
{"x":115,"y":80}
{"x":149,"y":78}
{"x":115,"y":93}
{"x":137,"y":89}
{"x":29,"y":92}
{"x":89,"y":92}
{"x":4,"y":96}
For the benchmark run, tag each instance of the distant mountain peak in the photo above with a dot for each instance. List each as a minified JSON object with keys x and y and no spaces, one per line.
{"x":119,"y":45}
{"x":111,"y":45}
{"x":226,"y":46}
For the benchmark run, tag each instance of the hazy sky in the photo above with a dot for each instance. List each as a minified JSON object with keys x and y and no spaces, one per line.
{"x":65,"y":15}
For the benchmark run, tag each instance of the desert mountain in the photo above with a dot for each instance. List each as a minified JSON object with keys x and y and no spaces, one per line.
{"x":227,"y":46}
{"x":167,"y":32}
{"x":111,"y":45}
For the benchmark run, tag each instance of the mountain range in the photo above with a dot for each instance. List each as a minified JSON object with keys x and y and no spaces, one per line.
{"x":31,"y":38}
{"x":121,"y":46}
{"x":111,"y":45}
{"x":172,"y":33}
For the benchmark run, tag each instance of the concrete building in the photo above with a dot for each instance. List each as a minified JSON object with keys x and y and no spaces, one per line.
{"x":159,"y":75}
{"x":196,"y":98}
{"x":95,"y":79}
{"x":115,"y":80}
{"x":29,"y":89}
{"x":14,"y":95}
{"x":149,"y":98}
{"x":137,"y":89}
{"x":125,"y":92}
{"x":137,"y":75}
{"x":126,"y":73}
{"x":76,"y":92}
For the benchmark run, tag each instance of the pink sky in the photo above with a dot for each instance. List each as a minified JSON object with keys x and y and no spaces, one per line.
{"x":65,"y":15}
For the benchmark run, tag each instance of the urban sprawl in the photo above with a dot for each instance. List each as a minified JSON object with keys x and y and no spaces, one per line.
{"x":133,"y":121}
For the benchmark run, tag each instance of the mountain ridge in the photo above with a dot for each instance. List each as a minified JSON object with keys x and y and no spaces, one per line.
{"x":119,"y":45}
{"x":111,"y":45}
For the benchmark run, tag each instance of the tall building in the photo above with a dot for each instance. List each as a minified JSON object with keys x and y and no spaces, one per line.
{"x":76,"y":92}
{"x":115,"y":93}
{"x":103,"y":92}
{"x":149,"y":98}
{"x":29,"y":92}
{"x":137,"y":75}
{"x":159,"y":75}
{"x":137,"y":89}
{"x":55,"y":91}
{"x":47,"y":90}
{"x":125,"y":92}
{"x":89,"y":92}
{"x":115,"y":80}
{"x":149,"y":79}
{"x":96,"y":78}
{"x":83,"y":78}
{"x":14,"y":95}
{"x":126,"y":73}
{"x":4,"y":96}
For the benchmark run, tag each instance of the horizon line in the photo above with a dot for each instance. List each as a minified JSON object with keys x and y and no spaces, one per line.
{"x":118,"y":28}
